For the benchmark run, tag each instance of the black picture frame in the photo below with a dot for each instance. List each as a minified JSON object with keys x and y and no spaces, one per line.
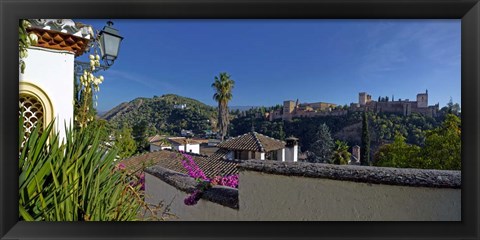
{"x":467,"y":10}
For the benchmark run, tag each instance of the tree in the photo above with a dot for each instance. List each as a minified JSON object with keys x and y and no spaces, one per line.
{"x":321,"y":149}
{"x":365,"y":146}
{"x":452,"y":108}
{"x":398,"y":154}
{"x":341,"y":155}
{"x":124,"y":142}
{"x":443,"y":145}
{"x":140,"y":132}
{"x":103,"y":127}
{"x":442,"y":149}
{"x":223,"y":86}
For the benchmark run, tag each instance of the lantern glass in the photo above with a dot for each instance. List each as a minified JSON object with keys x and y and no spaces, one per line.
{"x":109,"y":41}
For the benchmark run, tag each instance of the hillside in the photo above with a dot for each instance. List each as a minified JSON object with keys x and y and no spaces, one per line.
{"x":383,"y":127}
{"x":168,"y":113}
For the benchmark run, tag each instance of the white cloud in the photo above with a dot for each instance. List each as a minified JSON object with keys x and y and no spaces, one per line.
{"x":391,"y":45}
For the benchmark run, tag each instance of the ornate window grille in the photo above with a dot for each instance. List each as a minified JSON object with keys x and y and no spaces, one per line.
{"x":32,"y":111}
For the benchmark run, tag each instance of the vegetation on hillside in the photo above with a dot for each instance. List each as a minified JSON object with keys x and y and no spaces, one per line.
{"x":384,"y":128}
{"x":442,"y":149}
{"x":124,"y":142}
{"x":163,"y":115}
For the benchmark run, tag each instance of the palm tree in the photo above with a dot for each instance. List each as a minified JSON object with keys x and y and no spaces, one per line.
{"x":340,"y":153}
{"x":223,"y":86}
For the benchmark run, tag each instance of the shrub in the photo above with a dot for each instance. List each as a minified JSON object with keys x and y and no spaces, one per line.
{"x":72,"y":181}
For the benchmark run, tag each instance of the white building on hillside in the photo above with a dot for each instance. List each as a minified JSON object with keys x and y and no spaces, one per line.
{"x":185,"y":144}
{"x":176,"y":143}
{"x":254,"y":145}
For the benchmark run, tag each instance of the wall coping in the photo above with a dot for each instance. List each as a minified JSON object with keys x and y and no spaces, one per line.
{"x":222,"y":195}
{"x":366,"y":174}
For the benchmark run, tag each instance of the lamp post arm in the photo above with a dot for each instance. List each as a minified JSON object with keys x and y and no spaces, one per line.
{"x":81,"y":66}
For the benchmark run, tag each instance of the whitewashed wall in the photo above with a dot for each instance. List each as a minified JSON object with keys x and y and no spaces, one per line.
{"x":281,"y":154}
{"x":279,"y":197}
{"x":291,"y":154}
{"x":260,"y":155}
{"x":53,"y":72}
{"x":195,"y":148}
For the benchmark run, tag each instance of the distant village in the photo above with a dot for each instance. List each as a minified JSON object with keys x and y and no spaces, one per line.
{"x":294,"y":109}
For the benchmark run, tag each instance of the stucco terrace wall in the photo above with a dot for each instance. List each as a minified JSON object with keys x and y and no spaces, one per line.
{"x":271,"y":190}
{"x":219,"y":203}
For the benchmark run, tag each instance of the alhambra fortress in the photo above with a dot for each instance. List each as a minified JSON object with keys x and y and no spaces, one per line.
{"x":292,"y":109}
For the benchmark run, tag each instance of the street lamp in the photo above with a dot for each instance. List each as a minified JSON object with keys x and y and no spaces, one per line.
{"x":108,"y":41}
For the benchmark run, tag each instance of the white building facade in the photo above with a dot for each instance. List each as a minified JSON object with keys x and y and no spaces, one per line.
{"x":46,"y":86}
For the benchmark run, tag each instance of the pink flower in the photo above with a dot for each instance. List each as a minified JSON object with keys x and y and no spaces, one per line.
{"x":195,"y":172}
{"x":121,"y":166}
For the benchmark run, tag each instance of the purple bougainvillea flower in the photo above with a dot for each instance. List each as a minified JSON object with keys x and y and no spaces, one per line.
{"x":121,"y":166}
{"x":193,"y":170}
{"x":193,"y":198}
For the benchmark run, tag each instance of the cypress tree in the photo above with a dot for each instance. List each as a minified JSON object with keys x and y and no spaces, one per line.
{"x":365,"y":148}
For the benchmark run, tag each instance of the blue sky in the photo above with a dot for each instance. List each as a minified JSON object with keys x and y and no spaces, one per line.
{"x":276,"y":60}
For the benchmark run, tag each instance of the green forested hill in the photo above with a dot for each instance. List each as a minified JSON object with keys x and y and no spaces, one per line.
{"x":346,"y":128}
{"x":160,"y":113}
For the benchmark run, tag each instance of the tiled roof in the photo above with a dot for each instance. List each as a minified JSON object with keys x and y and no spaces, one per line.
{"x":173,"y":160}
{"x":252,"y":141}
{"x":60,"y":41}
{"x":200,"y":140}
{"x":182,"y":141}
{"x":221,"y":153}
{"x":155,"y":138}
{"x":160,"y":144}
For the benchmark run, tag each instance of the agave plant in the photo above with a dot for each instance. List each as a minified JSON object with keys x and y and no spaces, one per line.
{"x":36,"y":195}
{"x":74,"y":180}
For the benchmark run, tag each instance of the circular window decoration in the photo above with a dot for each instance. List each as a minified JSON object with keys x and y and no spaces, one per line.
{"x":31,"y":109}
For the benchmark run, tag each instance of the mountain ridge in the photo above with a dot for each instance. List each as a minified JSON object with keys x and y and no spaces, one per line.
{"x":166,"y":113}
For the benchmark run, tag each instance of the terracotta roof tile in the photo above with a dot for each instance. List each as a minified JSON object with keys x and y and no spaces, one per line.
{"x":252,"y":141}
{"x":182,"y":141}
{"x":221,"y":153}
{"x":160,"y":144}
{"x":155,"y":138}
{"x":60,"y":41}
{"x":173,"y":160}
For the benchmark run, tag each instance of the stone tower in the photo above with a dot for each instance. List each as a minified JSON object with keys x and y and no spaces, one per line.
{"x":362,"y":98}
{"x":422,"y":100}
{"x":288,"y":107}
